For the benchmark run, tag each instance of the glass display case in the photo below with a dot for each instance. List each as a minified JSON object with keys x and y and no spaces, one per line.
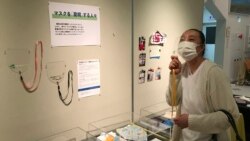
{"x":129,"y":127}
{"x":75,"y":134}
{"x":161,"y":115}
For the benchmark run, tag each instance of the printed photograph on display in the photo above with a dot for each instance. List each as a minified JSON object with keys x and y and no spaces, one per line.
{"x":142,"y":59}
{"x":158,"y":74}
{"x":142,"y":75}
{"x":142,"y":42}
{"x":150,"y":76}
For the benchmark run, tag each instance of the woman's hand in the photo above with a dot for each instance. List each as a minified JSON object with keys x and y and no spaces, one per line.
{"x":175,"y":64}
{"x":181,"y":121}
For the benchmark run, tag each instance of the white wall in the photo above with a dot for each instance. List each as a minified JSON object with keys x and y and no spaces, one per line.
{"x":234,"y":48}
{"x":170,"y":17}
{"x":30,"y":116}
{"x":208,"y":17}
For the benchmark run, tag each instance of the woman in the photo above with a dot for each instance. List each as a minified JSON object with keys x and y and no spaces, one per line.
{"x":202,"y":90}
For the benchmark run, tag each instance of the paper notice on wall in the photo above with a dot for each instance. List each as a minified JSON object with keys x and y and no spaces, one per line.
{"x":74,"y":25}
{"x":88,"y":77}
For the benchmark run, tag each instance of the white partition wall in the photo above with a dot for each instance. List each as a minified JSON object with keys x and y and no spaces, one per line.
{"x":169,"y":17}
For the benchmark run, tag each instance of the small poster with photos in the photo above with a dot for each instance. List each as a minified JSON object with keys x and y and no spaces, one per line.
{"x":150,"y":76}
{"x":142,"y":59}
{"x":142,"y":76}
{"x":158,"y":73}
{"x":142,"y":42}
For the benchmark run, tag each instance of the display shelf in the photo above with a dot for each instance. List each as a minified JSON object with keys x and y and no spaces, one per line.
{"x":75,"y":134}
{"x":127,"y":127}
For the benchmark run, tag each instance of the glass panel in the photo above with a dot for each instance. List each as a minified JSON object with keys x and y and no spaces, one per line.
{"x":56,"y":71}
{"x":75,"y":134}
{"x":17,"y":59}
{"x":158,"y":118}
{"x":123,"y":127}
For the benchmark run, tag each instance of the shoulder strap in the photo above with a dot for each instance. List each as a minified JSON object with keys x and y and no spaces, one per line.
{"x":232,"y":122}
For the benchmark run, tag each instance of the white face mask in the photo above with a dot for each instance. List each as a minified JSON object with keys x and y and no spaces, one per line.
{"x":187,"y":50}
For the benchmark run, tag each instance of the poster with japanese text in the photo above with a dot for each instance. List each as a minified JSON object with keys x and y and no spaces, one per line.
{"x":74,"y":25}
{"x":88,"y":77}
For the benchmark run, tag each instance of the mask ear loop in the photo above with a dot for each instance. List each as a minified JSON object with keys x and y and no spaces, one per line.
{"x":70,"y":83}
{"x":33,"y":87}
{"x":203,"y":48}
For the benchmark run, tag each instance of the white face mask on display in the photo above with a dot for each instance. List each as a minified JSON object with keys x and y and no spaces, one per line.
{"x":187,"y":50}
